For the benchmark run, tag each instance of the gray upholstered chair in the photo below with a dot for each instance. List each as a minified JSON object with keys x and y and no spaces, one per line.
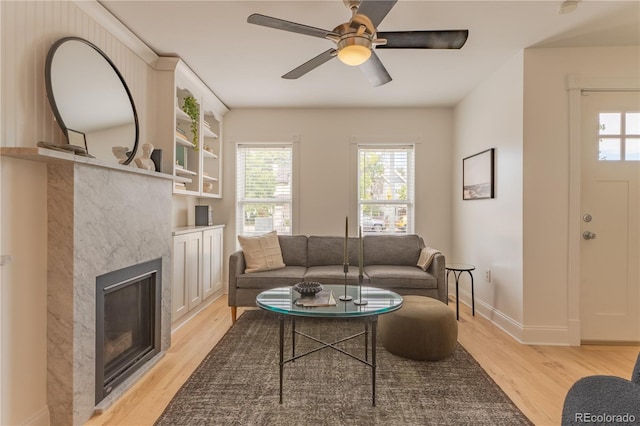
{"x":603,"y":400}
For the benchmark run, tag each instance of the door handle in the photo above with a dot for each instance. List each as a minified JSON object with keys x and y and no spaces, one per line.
{"x":588,"y":235}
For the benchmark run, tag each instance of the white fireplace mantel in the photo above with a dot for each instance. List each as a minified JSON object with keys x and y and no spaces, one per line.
{"x":52,"y":157}
{"x":101,"y":217}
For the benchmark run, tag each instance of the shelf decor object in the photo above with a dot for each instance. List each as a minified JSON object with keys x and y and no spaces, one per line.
{"x":192,"y":109}
{"x":477,"y":176}
{"x":308,"y":288}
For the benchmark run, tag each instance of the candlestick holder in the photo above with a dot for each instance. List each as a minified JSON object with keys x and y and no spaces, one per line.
{"x":360,"y":301}
{"x":345,"y":297}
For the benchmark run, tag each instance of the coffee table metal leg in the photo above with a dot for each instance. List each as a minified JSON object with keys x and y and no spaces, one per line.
{"x":374,"y":322}
{"x":281,"y":353}
{"x":293,"y":338}
{"x":366,"y":340}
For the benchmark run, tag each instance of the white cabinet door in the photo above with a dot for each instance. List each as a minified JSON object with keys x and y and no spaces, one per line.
{"x":179,"y":296}
{"x":211,"y":261}
{"x":197,"y":269}
{"x":194,"y":268}
{"x":186,"y":289}
{"x":217,"y":259}
{"x":208,"y":254}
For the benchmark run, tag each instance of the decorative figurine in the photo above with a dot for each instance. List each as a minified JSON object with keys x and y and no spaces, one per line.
{"x":145,"y":162}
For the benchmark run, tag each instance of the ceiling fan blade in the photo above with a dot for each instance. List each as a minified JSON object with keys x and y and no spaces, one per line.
{"x":310,"y":64}
{"x":376,"y":10}
{"x":281,"y":24}
{"x":445,"y":39}
{"x":375,"y":72}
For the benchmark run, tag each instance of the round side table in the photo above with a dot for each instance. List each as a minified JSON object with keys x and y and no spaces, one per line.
{"x":457,"y":269}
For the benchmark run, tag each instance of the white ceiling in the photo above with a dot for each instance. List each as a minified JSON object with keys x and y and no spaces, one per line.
{"x":242,"y":63}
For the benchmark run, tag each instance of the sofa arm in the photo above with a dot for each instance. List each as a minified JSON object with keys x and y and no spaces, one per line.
{"x":437,"y":269}
{"x":236,"y":268}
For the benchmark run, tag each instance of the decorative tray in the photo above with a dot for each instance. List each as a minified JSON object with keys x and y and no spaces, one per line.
{"x":308,"y":288}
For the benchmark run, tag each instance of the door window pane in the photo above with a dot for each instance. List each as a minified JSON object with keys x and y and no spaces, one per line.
{"x":610,"y":123}
{"x":633,"y":123}
{"x":609,"y":149}
{"x":632,"y":149}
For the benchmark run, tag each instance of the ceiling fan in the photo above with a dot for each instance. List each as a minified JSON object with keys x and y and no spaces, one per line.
{"x":356,"y":39}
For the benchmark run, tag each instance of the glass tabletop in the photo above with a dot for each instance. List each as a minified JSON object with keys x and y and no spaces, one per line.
{"x":283,"y":300}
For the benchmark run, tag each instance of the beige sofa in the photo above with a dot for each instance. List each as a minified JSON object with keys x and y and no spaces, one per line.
{"x":389,"y":262}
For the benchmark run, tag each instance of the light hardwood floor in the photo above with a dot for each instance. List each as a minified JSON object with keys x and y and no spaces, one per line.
{"x":536,"y":378}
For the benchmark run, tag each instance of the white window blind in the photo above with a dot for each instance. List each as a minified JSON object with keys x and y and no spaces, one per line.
{"x":264,"y":188}
{"x":386,"y":188}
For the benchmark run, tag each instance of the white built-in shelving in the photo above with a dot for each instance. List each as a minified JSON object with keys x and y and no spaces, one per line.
{"x":197,"y":156}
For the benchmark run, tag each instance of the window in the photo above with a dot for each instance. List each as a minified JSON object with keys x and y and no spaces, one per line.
{"x":386,"y":188}
{"x":619,"y":136}
{"x":264,"y":188}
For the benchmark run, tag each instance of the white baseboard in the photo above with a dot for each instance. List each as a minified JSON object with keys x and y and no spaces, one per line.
{"x":190,"y":315}
{"x":552,"y":336}
{"x":527,"y":335}
{"x":40,"y":418}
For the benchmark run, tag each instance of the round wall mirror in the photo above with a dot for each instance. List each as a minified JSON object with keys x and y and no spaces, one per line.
{"x":91,"y":101}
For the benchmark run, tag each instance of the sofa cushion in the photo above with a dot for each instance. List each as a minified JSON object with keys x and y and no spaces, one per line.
{"x":333,"y":274}
{"x":392,"y":249}
{"x":294,"y":249}
{"x":261,"y":253}
{"x":394,"y":276}
{"x":283,"y":277}
{"x":325,"y":251}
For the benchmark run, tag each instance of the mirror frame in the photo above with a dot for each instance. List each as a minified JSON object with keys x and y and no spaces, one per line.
{"x":48,"y":83}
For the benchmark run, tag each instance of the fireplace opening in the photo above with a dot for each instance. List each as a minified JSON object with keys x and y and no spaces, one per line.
{"x":127,"y":323}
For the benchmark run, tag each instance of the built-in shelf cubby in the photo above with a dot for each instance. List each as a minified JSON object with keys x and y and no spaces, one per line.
{"x":193,"y":143}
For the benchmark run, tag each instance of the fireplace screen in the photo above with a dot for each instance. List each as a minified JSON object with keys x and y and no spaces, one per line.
{"x":127,"y":323}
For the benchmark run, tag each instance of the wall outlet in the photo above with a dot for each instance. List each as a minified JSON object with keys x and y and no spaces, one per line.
{"x":487,"y":275}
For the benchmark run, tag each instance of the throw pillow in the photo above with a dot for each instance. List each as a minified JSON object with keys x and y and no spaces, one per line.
{"x":261,"y":253}
{"x":426,"y":257}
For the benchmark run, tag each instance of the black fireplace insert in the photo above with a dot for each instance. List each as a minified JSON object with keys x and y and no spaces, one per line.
{"x":127,"y":322}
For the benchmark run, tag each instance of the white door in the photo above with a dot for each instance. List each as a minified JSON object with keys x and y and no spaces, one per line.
{"x":610,"y":208}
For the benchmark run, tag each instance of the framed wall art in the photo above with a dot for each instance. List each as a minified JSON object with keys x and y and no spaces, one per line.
{"x":477,"y":175}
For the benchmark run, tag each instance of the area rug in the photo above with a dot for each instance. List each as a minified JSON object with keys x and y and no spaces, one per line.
{"x":237,"y":383}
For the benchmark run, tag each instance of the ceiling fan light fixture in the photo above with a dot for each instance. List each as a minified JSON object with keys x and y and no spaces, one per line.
{"x":354,"y":50}
{"x":354,"y":54}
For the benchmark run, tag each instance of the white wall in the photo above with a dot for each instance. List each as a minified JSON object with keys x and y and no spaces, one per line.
{"x":546,"y":175}
{"x":27,"y":31}
{"x":24,"y":299}
{"x":326,"y":182}
{"x":488,"y":233}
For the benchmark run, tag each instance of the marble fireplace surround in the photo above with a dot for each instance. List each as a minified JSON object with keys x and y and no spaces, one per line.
{"x":101,"y":218}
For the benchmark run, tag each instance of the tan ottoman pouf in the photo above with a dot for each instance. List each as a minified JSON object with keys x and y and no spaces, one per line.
{"x":424,"y":329}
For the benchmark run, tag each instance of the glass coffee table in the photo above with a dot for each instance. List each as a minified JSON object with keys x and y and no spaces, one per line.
{"x":282,"y":301}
